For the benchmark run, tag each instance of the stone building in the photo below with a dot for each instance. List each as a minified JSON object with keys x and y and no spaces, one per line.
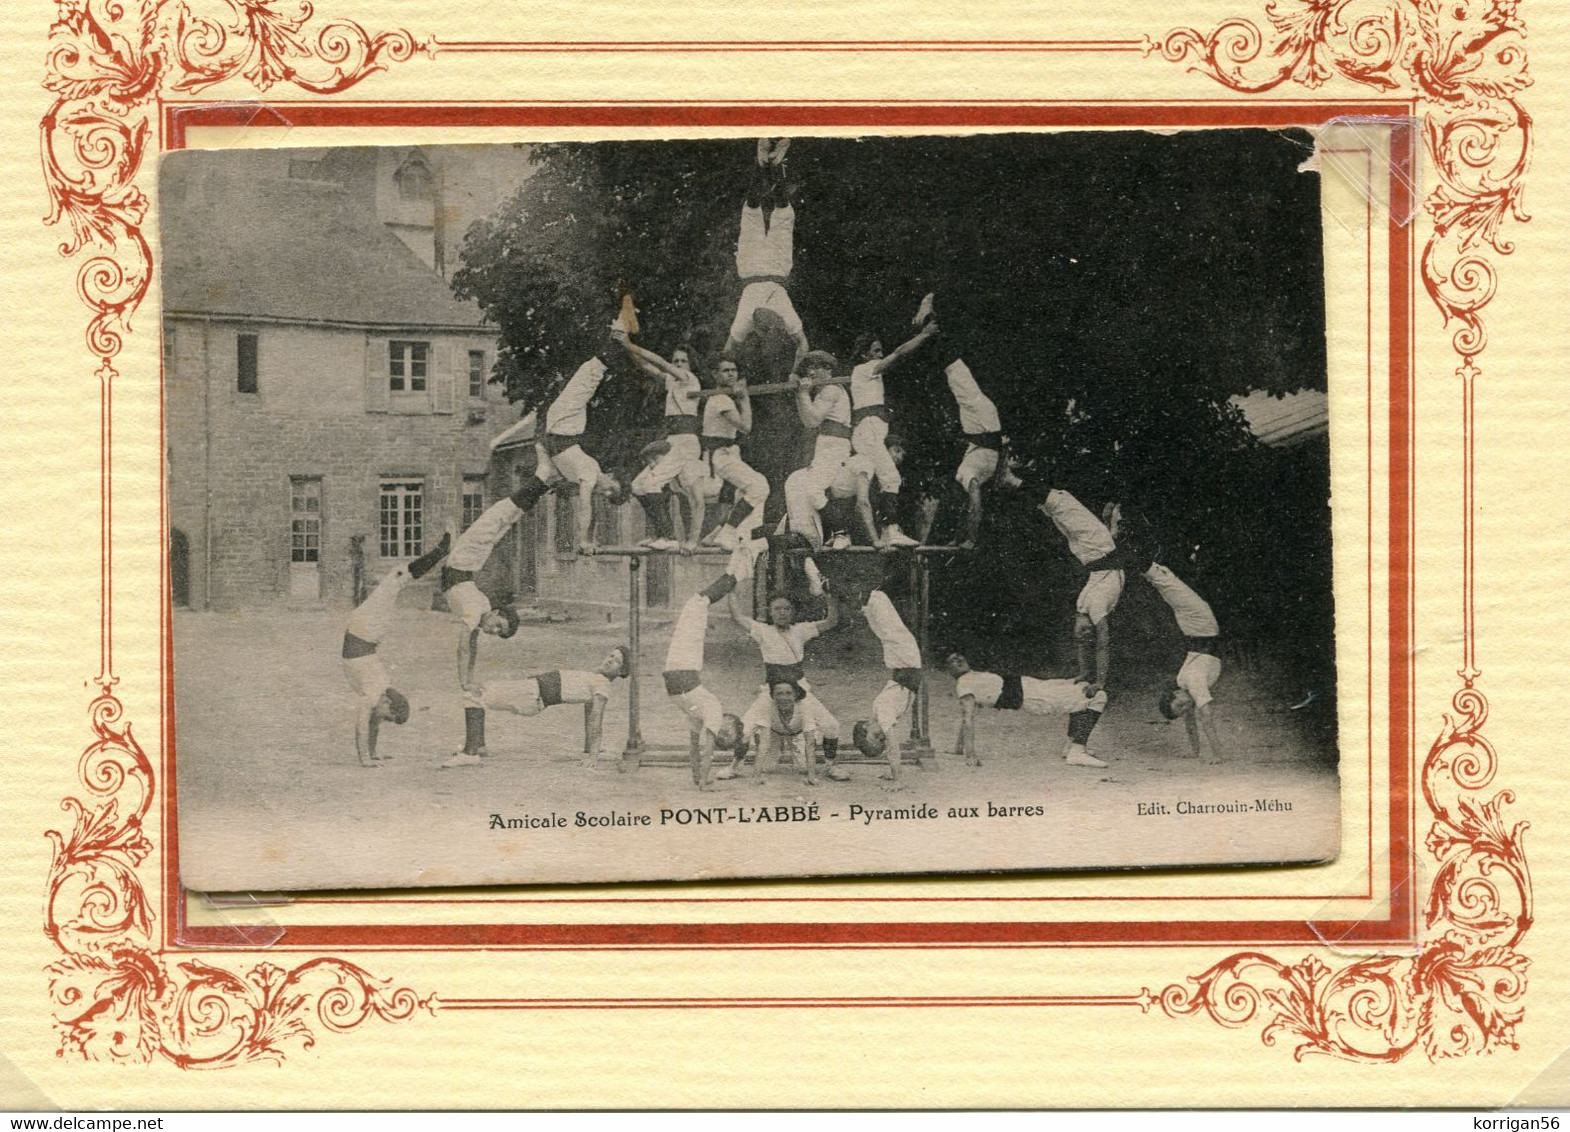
{"x":328,"y":408}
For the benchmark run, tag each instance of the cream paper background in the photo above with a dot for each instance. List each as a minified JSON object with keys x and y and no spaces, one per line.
{"x":950,"y":1056}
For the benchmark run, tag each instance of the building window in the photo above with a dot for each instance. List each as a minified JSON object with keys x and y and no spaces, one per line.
{"x":408,"y":364}
{"x":473,"y":500}
{"x":401,"y":520}
{"x":414,"y":179}
{"x":305,"y":519}
{"x":477,"y":374}
{"x":245,"y":362}
{"x":168,"y":348}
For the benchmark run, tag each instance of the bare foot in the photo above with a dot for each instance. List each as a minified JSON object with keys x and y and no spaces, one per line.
{"x":972,"y":760}
{"x":890,"y":785}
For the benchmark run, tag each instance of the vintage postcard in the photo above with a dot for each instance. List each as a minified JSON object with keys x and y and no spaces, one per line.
{"x":749,"y":507}
{"x":560,"y":541}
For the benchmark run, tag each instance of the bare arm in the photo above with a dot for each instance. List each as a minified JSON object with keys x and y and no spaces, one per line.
{"x":700,"y":509}
{"x":929,"y":515}
{"x":737,"y":420}
{"x":703,"y":760}
{"x":1207,"y":722}
{"x":737,"y":616}
{"x":904,"y":349}
{"x":654,"y":365}
{"x":593,"y":727}
{"x":645,"y":366}
{"x":468,"y":651}
{"x":1103,"y":654}
{"x":365,"y":734}
{"x":765,"y":756}
{"x":965,"y":745}
{"x":806,"y":408}
{"x":743,"y":418}
{"x":1192,"y":727}
{"x":678,"y":520}
{"x":831,"y":622}
{"x":973,"y":515}
{"x":869,"y":522}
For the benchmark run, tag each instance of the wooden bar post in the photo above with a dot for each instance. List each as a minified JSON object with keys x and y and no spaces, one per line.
{"x":923,"y":641}
{"x":913,"y":616}
{"x":631,"y":757}
{"x":918,"y":748}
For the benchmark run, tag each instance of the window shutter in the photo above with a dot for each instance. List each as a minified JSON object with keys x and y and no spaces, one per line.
{"x":444,"y":363}
{"x":375,"y":374}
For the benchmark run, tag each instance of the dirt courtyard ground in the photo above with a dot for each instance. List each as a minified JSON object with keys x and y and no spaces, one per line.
{"x":271,"y":796}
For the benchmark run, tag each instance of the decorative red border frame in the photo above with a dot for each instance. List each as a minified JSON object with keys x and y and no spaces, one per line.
{"x":114,"y":65}
{"x":1398,"y":927}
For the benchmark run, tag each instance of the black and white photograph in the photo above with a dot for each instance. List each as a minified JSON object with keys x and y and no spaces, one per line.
{"x":749,"y":507}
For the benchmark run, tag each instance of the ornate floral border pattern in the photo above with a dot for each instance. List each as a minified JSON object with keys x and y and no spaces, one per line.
{"x":110,"y":60}
{"x":1464,"y":62}
{"x":1462,"y":992}
{"x":116,"y":998}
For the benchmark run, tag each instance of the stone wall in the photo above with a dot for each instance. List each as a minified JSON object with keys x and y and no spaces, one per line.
{"x":321,"y":410}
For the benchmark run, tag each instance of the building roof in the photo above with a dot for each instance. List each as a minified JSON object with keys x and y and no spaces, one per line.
{"x":240,"y":241}
{"x":1287,"y":420}
{"x":517,"y":436}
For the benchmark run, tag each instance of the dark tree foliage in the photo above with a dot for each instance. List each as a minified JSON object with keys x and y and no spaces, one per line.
{"x":1110,"y":291}
{"x":593,"y":222}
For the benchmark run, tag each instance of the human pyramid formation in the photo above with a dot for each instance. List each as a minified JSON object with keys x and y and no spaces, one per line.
{"x":853,"y":448}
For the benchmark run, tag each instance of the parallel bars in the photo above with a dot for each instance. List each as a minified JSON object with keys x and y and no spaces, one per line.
{"x":916,"y":749}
